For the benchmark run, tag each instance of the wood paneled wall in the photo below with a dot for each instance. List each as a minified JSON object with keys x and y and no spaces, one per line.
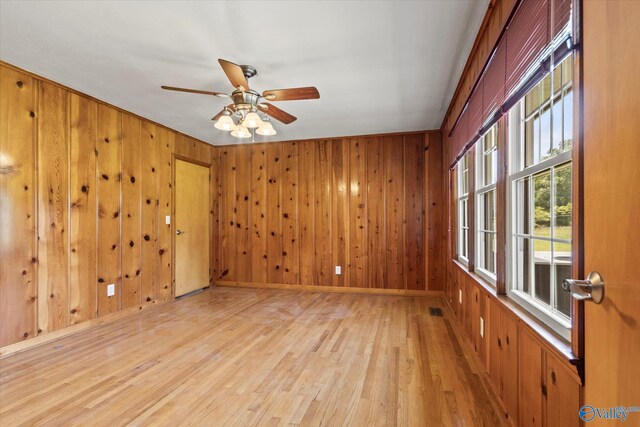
{"x":85,"y":188}
{"x":291,"y":212}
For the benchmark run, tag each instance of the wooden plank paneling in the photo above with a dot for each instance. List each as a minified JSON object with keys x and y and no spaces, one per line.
{"x":215,"y":212}
{"x":414,"y":176}
{"x":149,"y":212}
{"x":313,"y":205}
{"x":483,"y":344}
{"x":290,"y":223}
{"x":475,"y":317}
{"x":339,"y":211}
{"x":322,"y":214}
{"x":83,"y":279}
{"x":53,"y":203}
{"x":242,"y":240}
{"x":436,"y":213}
{"x":375,"y":215}
{"x":358,"y":213}
{"x":509,"y":365}
{"x":191,"y":148}
{"x":166,"y":146}
{"x":531,"y":380}
{"x":131,"y":184}
{"x":394,"y":208}
{"x":227,"y":212}
{"x":306,"y":210}
{"x":91,"y":195}
{"x":494,"y":29}
{"x":274,"y":212}
{"x":259,"y":213}
{"x":495,"y":344}
{"x":108,"y":146}
{"x":17,"y":208}
{"x":563,"y":394}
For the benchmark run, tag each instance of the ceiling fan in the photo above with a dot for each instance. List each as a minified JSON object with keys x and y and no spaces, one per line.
{"x":248,"y":105}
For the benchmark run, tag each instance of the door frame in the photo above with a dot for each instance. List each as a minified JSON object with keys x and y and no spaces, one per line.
{"x":208,"y":165}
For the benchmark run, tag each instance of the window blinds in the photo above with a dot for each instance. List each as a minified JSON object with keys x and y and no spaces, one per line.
{"x":475,"y":109}
{"x":532,"y":28}
{"x":526,"y":37}
{"x":494,"y":80}
{"x":561,"y":12}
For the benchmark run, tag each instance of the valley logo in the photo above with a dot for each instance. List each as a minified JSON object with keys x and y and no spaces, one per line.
{"x":589,"y":413}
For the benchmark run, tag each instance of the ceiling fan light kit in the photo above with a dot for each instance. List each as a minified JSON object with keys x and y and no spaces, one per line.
{"x":252,"y":120}
{"x":225,"y":123}
{"x":241,"y":132}
{"x":266,"y":129}
{"x":249,"y":108}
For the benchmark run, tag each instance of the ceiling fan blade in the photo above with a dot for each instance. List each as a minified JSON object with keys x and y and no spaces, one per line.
{"x":278,"y":114}
{"x":234,"y":73}
{"x":202,"y":92}
{"x":228,"y":107}
{"x":292,"y":94}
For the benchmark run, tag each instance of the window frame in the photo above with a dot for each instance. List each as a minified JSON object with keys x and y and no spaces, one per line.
{"x":480,"y":191}
{"x":517,"y":171}
{"x":463,"y":199}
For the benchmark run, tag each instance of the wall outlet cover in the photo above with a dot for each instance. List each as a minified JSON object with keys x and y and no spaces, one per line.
{"x":111,"y":290}
{"x":338,"y":270}
{"x":167,"y":219}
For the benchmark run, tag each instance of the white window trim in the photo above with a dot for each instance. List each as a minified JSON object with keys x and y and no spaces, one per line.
{"x":558,"y":322}
{"x":462,"y":198}
{"x":481,"y":191}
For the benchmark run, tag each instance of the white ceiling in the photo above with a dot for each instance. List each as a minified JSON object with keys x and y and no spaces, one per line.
{"x":380,"y":66}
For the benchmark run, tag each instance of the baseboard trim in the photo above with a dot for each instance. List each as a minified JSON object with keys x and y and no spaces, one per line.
{"x":336,"y":289}
{"x":21,"y":346}
{"x":11,"y":349}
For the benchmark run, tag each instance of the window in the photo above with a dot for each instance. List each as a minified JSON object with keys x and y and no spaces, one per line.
{"x":540,"y":199}
{"x":486,"y":177}
{"x":463,"y":209}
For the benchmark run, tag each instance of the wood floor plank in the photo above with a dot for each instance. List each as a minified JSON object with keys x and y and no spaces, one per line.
{"x":237,"y":357}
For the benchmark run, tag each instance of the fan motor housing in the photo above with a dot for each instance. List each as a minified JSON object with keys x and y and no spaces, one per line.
{"x":245,"y":100}
{"x":248,"y":71}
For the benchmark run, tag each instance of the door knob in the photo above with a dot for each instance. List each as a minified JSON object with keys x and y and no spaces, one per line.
{"x":179,"y":232}
{"x":591,"y":289}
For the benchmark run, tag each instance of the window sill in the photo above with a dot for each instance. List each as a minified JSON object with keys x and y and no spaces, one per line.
{"x":553,"y":341}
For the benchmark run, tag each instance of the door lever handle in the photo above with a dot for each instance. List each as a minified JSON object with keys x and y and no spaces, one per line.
{"x":179,"y":232}
{"x":591,"y":289}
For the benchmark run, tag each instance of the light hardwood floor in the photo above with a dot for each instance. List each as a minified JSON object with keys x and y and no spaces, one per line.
{"x":243,"y":357}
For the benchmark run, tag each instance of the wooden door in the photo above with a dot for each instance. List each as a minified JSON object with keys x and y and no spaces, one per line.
{"x":192,"y":227}
{"x":612,"y":201}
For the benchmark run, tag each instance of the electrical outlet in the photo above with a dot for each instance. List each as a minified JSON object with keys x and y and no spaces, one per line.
{"x":338,"y":270}
{"x":111,"y":290}
{"x":460,"y":295}
{"x":482,"y":327}
{"x":167,"y":219}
